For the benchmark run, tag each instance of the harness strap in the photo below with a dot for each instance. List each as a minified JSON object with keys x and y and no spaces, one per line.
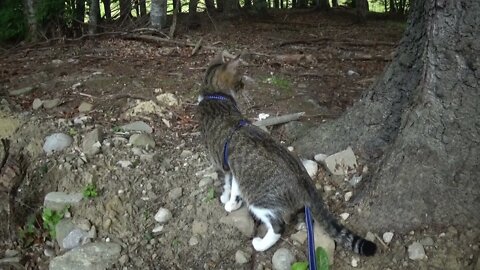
{"x":312,"y":258}
{"x":240,"y":124}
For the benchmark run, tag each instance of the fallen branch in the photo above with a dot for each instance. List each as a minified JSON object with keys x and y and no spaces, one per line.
{"x":164,"y":40}
{"x":197,"y":47}
{"x":271,"y":121}
{"x":351,"y":42}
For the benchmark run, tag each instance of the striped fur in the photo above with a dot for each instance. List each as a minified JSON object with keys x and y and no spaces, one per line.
{"x":269,"y":179}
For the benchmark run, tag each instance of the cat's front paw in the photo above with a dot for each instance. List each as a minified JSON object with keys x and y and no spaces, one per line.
{"x":232,"y":205}
{"x":225,"y":197}
{"x":259,"y":244}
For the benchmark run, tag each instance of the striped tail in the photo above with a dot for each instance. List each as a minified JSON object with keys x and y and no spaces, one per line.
{"x":340,"y":233}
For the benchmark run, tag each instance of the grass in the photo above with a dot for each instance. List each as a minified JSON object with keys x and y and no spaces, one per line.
{"x":321,"y":259}
{"x":50,"y":219}
{"x":90,"y":191}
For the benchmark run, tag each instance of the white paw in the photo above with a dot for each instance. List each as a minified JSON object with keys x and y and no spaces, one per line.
{"x":258,"y":244}
{"x":232,"y":206}
{"x":225,"y":197}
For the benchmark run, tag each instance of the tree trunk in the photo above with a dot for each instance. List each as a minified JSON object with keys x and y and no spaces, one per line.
{"x":107,"y":9}
{"x":210,"y":5}
{"x":220,"y":5}
{"x":94,"y":16}
{"x":393,"y":8}
{"x":31,"y":19}
{"x":158,"y":14}
{"x":125,"y":9}
{"x":260,"y":6}
{"x":362,"y":10}
{"x":418,"y":128}
{"x":193,"y":20}
{"x":334,"y":3}
{"x":248,"y":4}
{"x":79,"y":17}
{"x":322,"y":5}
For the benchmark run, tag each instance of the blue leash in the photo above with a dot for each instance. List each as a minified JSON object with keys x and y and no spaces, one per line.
{"x":312,"y":260}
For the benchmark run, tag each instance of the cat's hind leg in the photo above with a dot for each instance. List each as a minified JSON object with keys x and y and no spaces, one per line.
{"x":227,"y":187}
{"x":275,"y":226}
{"x":235,"y":200}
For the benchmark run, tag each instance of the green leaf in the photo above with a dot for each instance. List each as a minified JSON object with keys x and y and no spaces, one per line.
{"x":322,"y":258}
{"x":299,"y":266}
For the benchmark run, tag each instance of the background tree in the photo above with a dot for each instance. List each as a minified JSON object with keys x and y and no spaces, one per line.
{"x":418,"y":127}
{"x":158,"y":13}
{"x":79,"y":17}
{"x":94,"y":16}
{"x":125,"y":9}
{"x":107,"y":9}
{"x":362,"y":10}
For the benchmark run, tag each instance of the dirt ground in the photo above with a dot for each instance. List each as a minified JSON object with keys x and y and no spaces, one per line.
{"x":311,"y":62}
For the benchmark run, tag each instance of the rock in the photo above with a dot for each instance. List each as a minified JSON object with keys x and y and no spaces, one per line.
{"x":85,"y":107}
{"x":59,"y":200}
{"x":302,"y":85}
{"x":199,"y":227}
{"x":93,"y":256}
{"x":352,"y":72}
{"x":322,"y":239}
{"x":142,"y":140}
{"x":57,"y":62}
{"x":282,"y":259}
{"x":290,"y":148}
{"x":49,"y":252}
{"x":157,"y":229}
{"x":416,"y":251}
{"x":344,"y":216}
{"x":427,"y":241}
{"x":387,"y":237}
{"x":320,"y":158}
{"x":175,"y":193}
{"x":311,"y":167}
{"x":137,"y":126}
{"x":370,"y":237}
{"x":355,"y":180}
{"x":342,"y":162}
{"x":68,"y":236}
{"x":348,"y":196}
{"x":167,"y":99}
{"x":91,"y":144}
{"x":205,"y":182}
{"x":354,"y":262}
{"x":193,"y":241}
{"x":144,"y":108}
{"x":51,"y":103}
{"x":123,"y":259}
{"x":56,"y":142}
{"x":21,"y":91}
{"x":186,"y":153}
{"x":75,"y":86}
{"x":11,"y":253}
{"x":83,"y":224}
{"x":241,"y":257}
{"x":37,"y":104}
{"x":163,"y":215}
{"x":299,"y":237}
{"x":240,"y":219}
{"x":8,"y":125}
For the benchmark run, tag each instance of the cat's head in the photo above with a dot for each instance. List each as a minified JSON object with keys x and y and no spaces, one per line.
{"x":223,"y":76}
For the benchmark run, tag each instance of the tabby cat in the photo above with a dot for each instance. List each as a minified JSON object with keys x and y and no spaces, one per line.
{"x":259,"y":171}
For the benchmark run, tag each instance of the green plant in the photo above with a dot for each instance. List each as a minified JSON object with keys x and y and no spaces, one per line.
{"x":321,"y":258}
{"x":279,"y":82}
{"x":210,"y":194}
{"x":13,"y":25}
{"x":50,"y":220}
{"x":117,"y":129}
{"x":72,"y":132}
{"x":90,"y":191}
{"x":28,"y":232}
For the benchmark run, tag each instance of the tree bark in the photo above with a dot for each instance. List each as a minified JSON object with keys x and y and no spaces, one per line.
{"x":361,"y":10}
{"x":107,"y":9}
{"x":125,"y":9}
{"x":31,"y":19}
{"x":322,"y":5}
{"x":334,"y":3}
{"x":94,"y":16}
{"x":79,"y":17}
{"x":158,"y":14}
{"x":210,"y":5}
{"x":418,"y":128}
{"x":393,"y":9}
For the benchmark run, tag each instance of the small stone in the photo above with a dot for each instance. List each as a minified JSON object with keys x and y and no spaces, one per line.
{"x":59,"y":200}
{"x":145,"y":108}
{"x":240,"y":219}
{"x":157,"y":229}
{"x":11,"y":253}
{"x":143,"y":140}
{"x":302,"y":85}
{"x":352,"y":72}
{"x":75,"y":86}
{"x":93,"y":256}
{"x":344,"y":216}
{"x":427,"y":241}
{"x":322,"y":239}
{"x":320,"y":158}
{"x":21,"y":91}
{"x":123,"y":259}
{"x":51,"y":103}
{"x":387,"y":237}
{"x":137,"y":126}
{"x":175,"y":193}
{"x":416,"y":251}
{"x":342,"y":162}
{"x":299,"y":237}
{"x":167,"y":99}
{"x":348,"y":196}
{"x":311,"y":167}
{"x":241,"y":257}
{"x":199,"y":227}
{"x":125,"y":163}
{"x":91,"y":144}
{"x":85,"y":107}
{"x":355,"y":180}
{"x":57,"y":62}
{"x":74,"y":238}
{"x":56,"y":142}
{"x":282,"y":259}
{"x":106,"y":224}
{"x":290,"y":148}
{"x":205,"y":182}
{"x":37,"y":104}
{"x":186,"y":153}
{"x":49,"y":252}
{"x":370,"y":237}
{"x":354,"y":262}
{"x":163,"y":215}
{"x":83,"y":224}
{"x":193,"y":241}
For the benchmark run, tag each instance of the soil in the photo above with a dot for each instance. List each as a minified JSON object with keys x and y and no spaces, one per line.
{"x":340,"y":60}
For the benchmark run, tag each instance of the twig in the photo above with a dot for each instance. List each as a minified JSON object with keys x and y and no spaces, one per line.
{"x":381,"y":241}
{"x":197,"y":46}
{"x":279,"y":119}
{"x":349,"y":41}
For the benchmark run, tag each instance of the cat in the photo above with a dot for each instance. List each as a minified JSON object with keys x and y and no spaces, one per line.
{"x":258,"y":171}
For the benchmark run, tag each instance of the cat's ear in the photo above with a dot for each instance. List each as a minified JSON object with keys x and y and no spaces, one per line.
{"x":232,"y":66}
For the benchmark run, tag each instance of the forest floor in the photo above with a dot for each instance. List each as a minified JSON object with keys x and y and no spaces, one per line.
{"x":296,"y":62}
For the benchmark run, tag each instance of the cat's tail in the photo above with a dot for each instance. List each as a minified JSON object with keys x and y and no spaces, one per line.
{"x":340,"y":233}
